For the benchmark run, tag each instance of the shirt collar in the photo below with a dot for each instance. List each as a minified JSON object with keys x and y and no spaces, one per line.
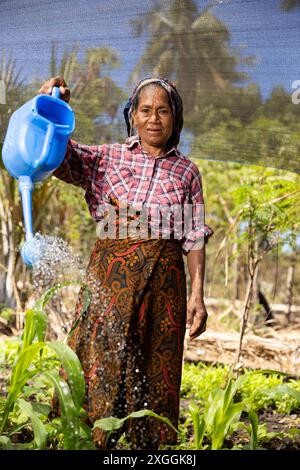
{"x":133,"y":141}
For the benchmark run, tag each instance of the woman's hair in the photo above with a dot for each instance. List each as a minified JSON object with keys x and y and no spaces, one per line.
{"x":175,"y":102}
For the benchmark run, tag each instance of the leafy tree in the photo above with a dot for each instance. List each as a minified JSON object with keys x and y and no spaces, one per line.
{"x":268,"y":210}
{"x":235,"y":104}
{"x":228,"y":261}
{"x":190,"y":46}
{"x":288,"y":5}
{"x":280,"y":106}
{"x":241,"y":128}
{"x":95,"y":98}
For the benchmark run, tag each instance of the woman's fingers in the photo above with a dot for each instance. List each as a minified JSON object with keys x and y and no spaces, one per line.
{"x":58,"y":81}
{"x":199,"y":323}
{"x":189,"y":318}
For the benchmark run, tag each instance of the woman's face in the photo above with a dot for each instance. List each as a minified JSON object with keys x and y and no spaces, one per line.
{"x":153,"y":118}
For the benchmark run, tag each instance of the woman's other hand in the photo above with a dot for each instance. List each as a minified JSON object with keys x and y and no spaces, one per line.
{"x":196,"y":316}
{"x":47,"y":87}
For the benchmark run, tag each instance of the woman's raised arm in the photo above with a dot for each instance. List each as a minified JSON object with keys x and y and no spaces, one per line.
{"x":80,"y":160}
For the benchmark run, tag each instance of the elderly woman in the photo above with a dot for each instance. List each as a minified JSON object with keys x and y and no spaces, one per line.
{"x":130,"y":339}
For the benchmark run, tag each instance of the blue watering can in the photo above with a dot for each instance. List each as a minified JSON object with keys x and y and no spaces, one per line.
{"x":35,"y":145}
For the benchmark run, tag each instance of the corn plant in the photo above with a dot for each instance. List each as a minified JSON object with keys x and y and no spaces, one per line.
{"x":199,"y":425}
{"x":221,"y":412}
{"x":29,"y":364}
{"x":221,"y":415}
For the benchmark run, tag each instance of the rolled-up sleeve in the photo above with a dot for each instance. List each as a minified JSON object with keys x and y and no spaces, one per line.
{"x":79,"y":164}
{"x":196,"y":232}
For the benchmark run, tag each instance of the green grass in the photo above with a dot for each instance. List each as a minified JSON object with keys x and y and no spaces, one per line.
{"x":198,"y":380}
{"x":216,"y":407}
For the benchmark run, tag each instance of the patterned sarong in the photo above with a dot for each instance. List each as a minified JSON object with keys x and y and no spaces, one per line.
{"x":130,"y":339}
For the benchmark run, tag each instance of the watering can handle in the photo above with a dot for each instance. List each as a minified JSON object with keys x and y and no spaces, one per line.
{"x":48,"y":138}
{"x":55,"y":92}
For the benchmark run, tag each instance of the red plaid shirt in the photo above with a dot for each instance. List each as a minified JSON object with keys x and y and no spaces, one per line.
{"x":127,"y":173}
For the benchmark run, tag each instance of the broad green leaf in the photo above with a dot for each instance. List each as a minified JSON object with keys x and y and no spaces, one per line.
{"x":23,"y":361}
{"x":30,"y":390}
{"x":254,"y":427}
{"x":222,"y":427}
{"x":39,"y":430}
{"x":280,"y":390}
{"x":86,"y":294}
{"x":232,"y":415}
{"x":112,"y":423}
{"x":229,"y":391}
{"x":69,"y":413}
{"x":29,"y":329}
{"x":41,"y":408}
{"x":109,"y":424}
{"x":141,"y":413}
{"x":199,"y":425}
{"x":41,"y":323}
{"x":213,"y":408}
{"x":72,"y":366}
{"x":237,"y":384}
{"x":85,"y":431}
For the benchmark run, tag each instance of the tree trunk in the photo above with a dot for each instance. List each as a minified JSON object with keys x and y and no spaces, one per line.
{"x":7,"y":292}
{"x":290,"y":285}
{"x":244,"y":319}
{"x":236,"y":274}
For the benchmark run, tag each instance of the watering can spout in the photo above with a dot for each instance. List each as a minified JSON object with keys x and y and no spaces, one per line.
{"x":26,"y":188}
{"x":33,"y":249}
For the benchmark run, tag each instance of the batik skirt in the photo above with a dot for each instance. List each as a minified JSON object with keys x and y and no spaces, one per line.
{"x":130,"y":338}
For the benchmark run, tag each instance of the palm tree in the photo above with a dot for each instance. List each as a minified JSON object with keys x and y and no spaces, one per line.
{"x":190,"y":46}
{"x":288,"y":5}
{"x":95,"y":96}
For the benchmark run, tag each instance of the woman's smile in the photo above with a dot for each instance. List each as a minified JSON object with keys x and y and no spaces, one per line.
{"x":154,"y":130}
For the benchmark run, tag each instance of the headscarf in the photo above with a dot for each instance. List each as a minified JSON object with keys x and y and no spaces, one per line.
{"x":175,"y":100}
